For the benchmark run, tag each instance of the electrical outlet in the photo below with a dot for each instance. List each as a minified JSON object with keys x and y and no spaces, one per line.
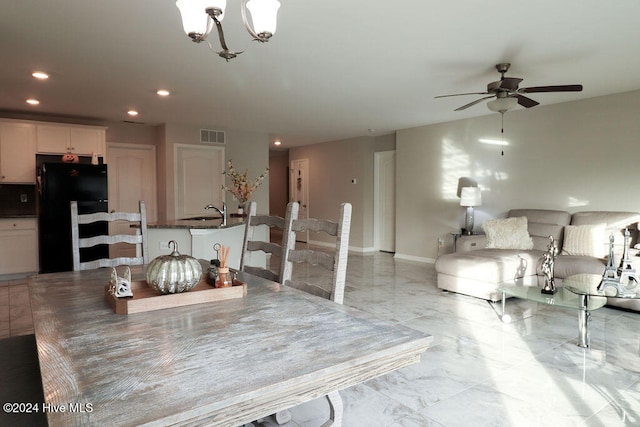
{"x":440,"y":242}
{"x":164,"y":245}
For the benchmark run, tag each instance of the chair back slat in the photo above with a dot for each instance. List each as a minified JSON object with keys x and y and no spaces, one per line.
{"x":251,"y":246}
{"x":78,"y":243}
{"x":334,"y":261}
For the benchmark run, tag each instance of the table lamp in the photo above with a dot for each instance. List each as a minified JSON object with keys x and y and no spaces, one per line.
{"x":470,"y":197}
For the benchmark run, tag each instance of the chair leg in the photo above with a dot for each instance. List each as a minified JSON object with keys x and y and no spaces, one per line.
{"x":335,"y":410}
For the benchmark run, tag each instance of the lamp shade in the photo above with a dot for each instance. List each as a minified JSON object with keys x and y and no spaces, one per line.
{"x":470,"y":196}
{"x":194,"y":17}
{"x":264,"y":14}
{"x":500,"y":105}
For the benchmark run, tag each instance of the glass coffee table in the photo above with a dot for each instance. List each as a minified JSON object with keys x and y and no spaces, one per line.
{"x":577,"y":293}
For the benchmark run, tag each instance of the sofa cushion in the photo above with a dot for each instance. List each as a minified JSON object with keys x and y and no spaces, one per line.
{"x":586,"y":240}
{"x":543,"y":223}
{"x":568,"y":265}
{"x":507,"y":233}
{"x":615,"y":224}
{"x":490,"y":265}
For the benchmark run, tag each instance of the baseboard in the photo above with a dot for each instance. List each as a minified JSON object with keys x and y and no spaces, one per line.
{"x":422,"y":260}
{"x":17,"y":276}
{"x":354,"y":249}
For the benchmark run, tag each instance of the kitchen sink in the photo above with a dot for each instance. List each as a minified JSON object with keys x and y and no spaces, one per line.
{"x":203,"y":218}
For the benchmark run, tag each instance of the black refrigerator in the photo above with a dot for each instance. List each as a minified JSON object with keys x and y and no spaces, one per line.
{"x":59,"y":184}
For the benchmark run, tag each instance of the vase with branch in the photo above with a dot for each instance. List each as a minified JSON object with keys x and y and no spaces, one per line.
{"x":241,"y":187}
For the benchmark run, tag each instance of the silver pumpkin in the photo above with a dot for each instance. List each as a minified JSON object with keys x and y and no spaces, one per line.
{"x":173,"y":273}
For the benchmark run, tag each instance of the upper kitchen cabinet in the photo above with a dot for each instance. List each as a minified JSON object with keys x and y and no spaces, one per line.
{"x":81,"y":140}
{"x":17,"y":152}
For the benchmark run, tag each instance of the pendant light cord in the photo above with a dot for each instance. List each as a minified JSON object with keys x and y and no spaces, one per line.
{"x":502,"y":132}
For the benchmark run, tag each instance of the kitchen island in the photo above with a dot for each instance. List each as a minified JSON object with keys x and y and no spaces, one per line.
{"x":197,"y":237}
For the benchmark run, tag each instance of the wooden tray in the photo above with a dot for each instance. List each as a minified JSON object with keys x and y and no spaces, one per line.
{"x":146,"y":298}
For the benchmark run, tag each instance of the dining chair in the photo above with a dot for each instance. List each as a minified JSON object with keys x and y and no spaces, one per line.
{"x":334,"y":262}
{"x":140,"y":239}
{"x":251,"y":246}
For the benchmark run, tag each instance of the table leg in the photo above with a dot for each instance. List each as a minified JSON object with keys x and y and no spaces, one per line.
{"x":583,"y":322}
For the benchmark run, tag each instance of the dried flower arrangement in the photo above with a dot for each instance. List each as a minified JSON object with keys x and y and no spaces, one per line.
{"x":240,"y":186}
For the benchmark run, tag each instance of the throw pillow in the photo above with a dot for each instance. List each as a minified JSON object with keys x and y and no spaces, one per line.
{"x":585,"y":240}
{"x":508,"y":233}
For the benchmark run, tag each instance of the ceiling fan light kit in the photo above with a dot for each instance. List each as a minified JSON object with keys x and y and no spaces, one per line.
{"x":502,"y":105}
{"x":200,"y":16}
{"x":508,"y":94}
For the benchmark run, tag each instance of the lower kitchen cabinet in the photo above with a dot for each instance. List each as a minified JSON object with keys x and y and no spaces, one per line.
{"x":18,"y":245}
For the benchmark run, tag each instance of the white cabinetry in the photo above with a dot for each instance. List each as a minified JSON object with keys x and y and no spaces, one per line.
{"x":17,"y":152}
{"x":18,"y":245}
{"x":81,"y":140}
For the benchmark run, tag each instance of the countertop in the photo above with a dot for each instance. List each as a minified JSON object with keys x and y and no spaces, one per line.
{"x":213,"y":223}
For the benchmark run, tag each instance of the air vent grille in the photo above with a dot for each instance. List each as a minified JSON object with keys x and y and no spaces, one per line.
{"x":209,"y":136}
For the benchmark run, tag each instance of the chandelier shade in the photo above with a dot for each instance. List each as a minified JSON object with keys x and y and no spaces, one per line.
{"x":264,"y":14}
{"x":193,"y":21}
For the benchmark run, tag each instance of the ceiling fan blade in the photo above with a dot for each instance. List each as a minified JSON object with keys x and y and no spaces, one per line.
{"x":526,"y":102}
{"x":460,"y":94}
{"x":471,"y":104}
{"x":559,"y":88}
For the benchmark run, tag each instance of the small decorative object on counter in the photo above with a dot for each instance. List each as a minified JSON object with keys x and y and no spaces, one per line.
{"x":212,"y":271}
{"x":173,"y":273}
{"x":70,"y":158}
{"x":622,"y":281}
{"x":548,"y":264}
{"x":121,"y":286}
{"x":224,"y":279}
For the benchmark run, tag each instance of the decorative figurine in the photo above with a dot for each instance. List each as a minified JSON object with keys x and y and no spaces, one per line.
{"x":622,"y":280}
{"x":121,"y":286}
{"x":548,"y":265}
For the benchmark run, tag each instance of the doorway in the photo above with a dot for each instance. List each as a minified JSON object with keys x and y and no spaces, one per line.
{"x":299,"y":191}
{"x":132,"y":177}
{"x":384,"y":201}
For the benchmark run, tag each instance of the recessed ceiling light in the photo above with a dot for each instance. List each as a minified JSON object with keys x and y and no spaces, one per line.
{"x":277,"y":142}
{"x":132,"y":112}
{"x":163,"y":92}
{"x":33,"y":102}
{"x":40,"y":75}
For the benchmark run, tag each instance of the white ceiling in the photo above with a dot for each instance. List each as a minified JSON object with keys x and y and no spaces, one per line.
{"x":333,"y":70}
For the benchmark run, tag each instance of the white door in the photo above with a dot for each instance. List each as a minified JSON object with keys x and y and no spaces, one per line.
{"x":299,"y":191}
{"x":199,"y":179}
{"x":132,"y":177}
{"x":385,"y":201}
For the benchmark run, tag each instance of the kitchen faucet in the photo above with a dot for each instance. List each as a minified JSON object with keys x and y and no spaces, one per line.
{"x":222,"y":212}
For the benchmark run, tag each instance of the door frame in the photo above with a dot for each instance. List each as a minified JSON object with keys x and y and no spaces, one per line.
{"x":377,"y":203}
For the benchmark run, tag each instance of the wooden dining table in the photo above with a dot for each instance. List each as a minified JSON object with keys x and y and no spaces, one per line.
{"x":220,"y":363}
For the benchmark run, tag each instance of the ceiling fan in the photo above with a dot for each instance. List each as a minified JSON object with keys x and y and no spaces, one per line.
{"x":507,"y":93}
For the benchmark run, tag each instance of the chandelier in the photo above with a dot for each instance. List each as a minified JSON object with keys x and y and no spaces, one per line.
{"x":199,"y":17}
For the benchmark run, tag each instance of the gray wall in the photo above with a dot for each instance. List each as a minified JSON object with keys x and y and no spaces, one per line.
{"x":332,"y":166}
{"x":572,"y":156}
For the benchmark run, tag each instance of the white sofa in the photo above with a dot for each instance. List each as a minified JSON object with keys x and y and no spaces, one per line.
{"x":479,"y":271}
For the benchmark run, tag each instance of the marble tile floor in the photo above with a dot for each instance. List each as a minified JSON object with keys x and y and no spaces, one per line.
{"x":479,"y":371}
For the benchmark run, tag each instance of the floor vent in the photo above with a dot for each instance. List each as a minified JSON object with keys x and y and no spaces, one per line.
{"x":209,"y":136}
